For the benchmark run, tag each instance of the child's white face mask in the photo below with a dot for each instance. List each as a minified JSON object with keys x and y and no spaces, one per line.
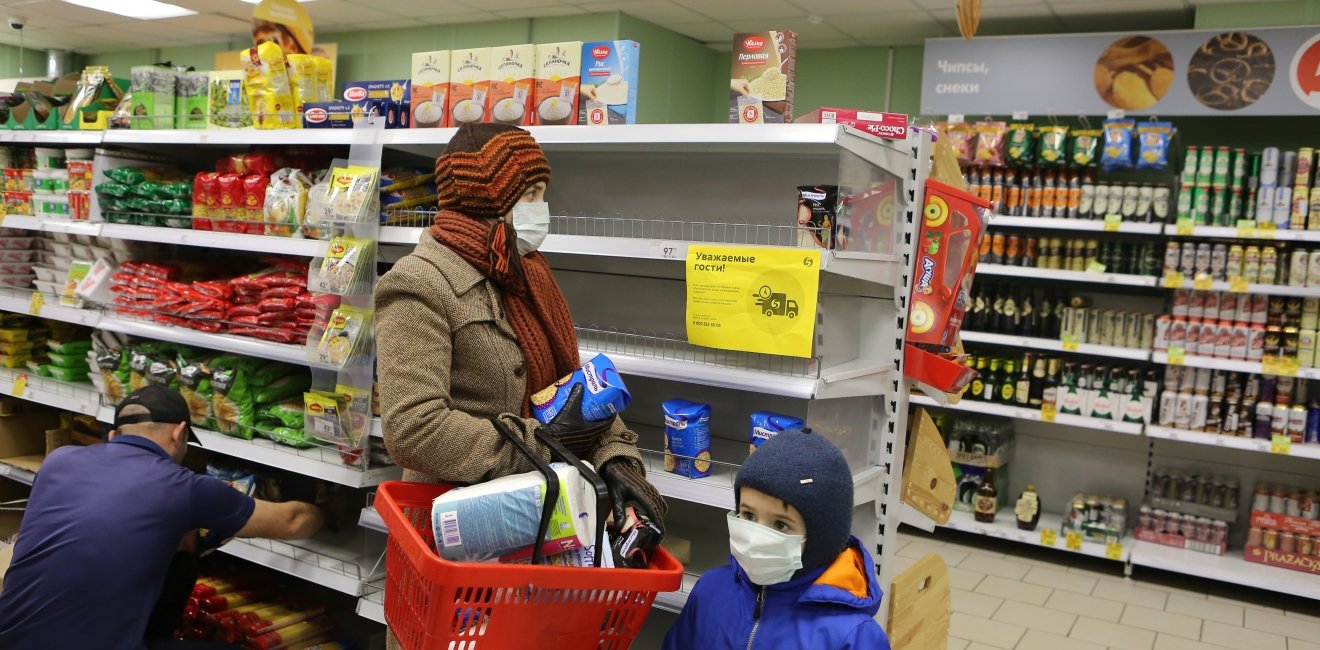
{"x":767,"y":556}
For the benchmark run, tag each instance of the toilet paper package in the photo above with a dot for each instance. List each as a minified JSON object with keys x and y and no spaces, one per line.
{"x":687,"y":438}
{"x":498,"y":520}
{"x":604,"y":395}
{"x":765,"y":425}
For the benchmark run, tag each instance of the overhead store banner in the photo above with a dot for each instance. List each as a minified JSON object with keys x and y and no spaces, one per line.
{"x":1195,"y":72}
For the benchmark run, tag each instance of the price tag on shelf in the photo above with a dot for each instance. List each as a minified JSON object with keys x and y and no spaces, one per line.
{"x":1047,"y":412}
{"x":1048,"y":537}
{"x":1278,"y":444}
{"x":1020,"y":115}
{"x":38,"y":301}
{"x":1246,"y":229}
{"x":668,"y":250}
{"x":1113,"y":221}
{"x":956,"y":118}
{"x":1280,"y":366}
{"x":1237,"y":284}
{"x":1177,"y":355}
{"x":1070,"y":342}
{"x":20,"y":385}
{"x":1173,"y":280}
{"x":1266,"y":229}
{"x":1186,"y":226}
{"x":1114,"y":550}
{"x":1116,"y":114}
{"x":1203,"y":282}
{"x":1095,"y":267}
{"x":1073,"y":541}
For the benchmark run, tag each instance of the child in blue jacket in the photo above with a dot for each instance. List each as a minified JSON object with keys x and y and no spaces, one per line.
{"x":797,"y":578}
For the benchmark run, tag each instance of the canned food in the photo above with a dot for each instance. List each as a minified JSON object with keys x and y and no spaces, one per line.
{"x":1310,"y":505}
{"x":1190,"y":166}
{"x":1241,"y":341}
{"x":1192,"y":345}
{"x":1187,"y":261}
{"x":1212,"y":309}
{"x":1261,"y":500}
{"x":1269,"y":264}
{"x":1251,"y":264}
{"x":1297,"y":425}
{"x":1184,"y":205}
{"x":1146,"y":330}
{"x":1182,"y":299}
{"x":1292,"y":505}
{"x":1219,"y":261}
{"x":1278,"y":502}
{"x":1287,"y":542}
{"x":1224,"y":340}
{"x":1234,"y":262}
{"x":1222,"y":166}
{"x":1260,"y":309}
{"x":1298,"y":267}
{"x":1196,"y":308}
{"x":1305,"y":545}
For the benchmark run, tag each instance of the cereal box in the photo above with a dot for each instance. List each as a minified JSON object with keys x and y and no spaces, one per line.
{"x":761,"y":77}
{"x":469,"y":83}
{"x":609,"y":83}
{"x":510,"y":99}
{"x":430,"y":89}
{"x":558,"y":70}
{"x":388,"y":98}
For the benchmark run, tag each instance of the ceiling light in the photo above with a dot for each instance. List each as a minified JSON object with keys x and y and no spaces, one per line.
{"x":141,"y":9}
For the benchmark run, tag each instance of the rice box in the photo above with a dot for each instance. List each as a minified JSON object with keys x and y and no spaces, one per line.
{"x":430,"y":89}
{"x":510,"y":98}
{"x":761,"y":78}
{"x":609,"y":83}
{"x":766,"y":425}
{"x":687,"y":438}
{"x":469,"y":83}
{"x":558,"y":70}
{"x":603,"y":397}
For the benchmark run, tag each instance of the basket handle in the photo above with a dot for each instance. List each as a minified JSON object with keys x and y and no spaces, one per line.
{"x":597,"y":484}
{"x":551,"y":483}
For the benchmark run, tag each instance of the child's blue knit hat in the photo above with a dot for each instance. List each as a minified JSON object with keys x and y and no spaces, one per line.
{"x":808,"y":472}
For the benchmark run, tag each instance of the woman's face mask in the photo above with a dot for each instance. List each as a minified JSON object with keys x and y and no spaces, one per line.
{"x":532,"y":223}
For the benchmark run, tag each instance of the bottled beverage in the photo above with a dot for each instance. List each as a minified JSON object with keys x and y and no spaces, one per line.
{"x":1007,"y":385}
{"x":1028,"y":509}
{"x":1022,"y":386}
{"x":1069,"y":392}
{"x":1030,"y":319}
{"x":1036,"y":389}
{"x":992,"y":382}
{"x":970,"y":364}
{"x":986,"y":502}
{"x":978,"y":384}
{"x":1050,"y":390}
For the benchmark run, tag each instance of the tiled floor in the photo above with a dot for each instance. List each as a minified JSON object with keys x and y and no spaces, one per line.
{"x":1008,"y":596}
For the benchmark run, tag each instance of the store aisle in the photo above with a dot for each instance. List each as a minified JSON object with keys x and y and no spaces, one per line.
{"x":1011,"y":597}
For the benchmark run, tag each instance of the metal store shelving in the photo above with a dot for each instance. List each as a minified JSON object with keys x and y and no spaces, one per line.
{"x":1054,"y":345}
{"x":1067,"y":276}
{"x":1004,"y":410}
{"x":1006,"y":528}
{"x":1083,"y":225}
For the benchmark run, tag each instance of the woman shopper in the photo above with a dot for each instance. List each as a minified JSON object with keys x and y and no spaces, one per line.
{"x":472,"y":323}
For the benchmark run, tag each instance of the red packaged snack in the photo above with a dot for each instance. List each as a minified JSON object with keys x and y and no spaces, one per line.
{"x":252,"y":163}
{"x":276,"y":304}
{"x":231,"y":203}
{"x":277,"y":336}
{"x":209,"y":315}
{"x":960,"y":135}
{"x":244,"y":310}
{"x":254,"y":199}
{"x":156,"y":270}
{"x":205,"y":199}
{"x":276,"y":318}
{"x":208,"y":304}
{"x":990,"y":143}
{"x":214,"y":289}
{"x":242,"y":320}
{"x":245,"y":299}
{"x":282,"y":292}
{"x":210,"y":327}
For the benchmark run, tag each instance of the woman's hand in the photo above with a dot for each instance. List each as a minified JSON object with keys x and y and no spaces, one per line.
{"x":572,"y":430}
{"x":627,"y":483}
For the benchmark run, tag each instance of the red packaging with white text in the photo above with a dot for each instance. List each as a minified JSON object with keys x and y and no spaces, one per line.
{"x":884,"y":125}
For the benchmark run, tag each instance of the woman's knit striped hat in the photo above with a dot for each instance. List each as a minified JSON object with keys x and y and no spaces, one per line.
{"x":486,"y":168}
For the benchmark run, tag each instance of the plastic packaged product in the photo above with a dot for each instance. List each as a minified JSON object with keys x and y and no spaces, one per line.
{"x":1117,"y":153}
{"x":343,"y":336}
{"x":1085,"y":147}
{"x":231,"y":399}
{"x":818,"y":215}
{"x":765,"y":425}
{"x":288,"y":414}
{"x":990,"y":143}
{"x":113,"y":364}
{"x":961,"y":136}
{"x":687,"y":438}
{"x":497,"y":519}
{"x":1053,"y":146}
{"x":345,"y":262}
{"x":1021,"y":144}
{"x":603,"y":397}
{"x":302,"y":80}
{"x":270,"y":97}
{"x":353,"y":193}
{"x":1153,"y":140}
{"x":283,"y":389}
{"x":286,"y":202}
{"x":195,"y":387}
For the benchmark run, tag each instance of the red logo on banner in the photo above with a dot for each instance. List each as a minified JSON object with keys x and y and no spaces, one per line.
{"x":1304,"y":73}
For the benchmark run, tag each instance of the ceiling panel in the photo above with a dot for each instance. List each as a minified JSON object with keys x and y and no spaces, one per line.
{"x":539,"y":12}
{"x":339,"y":12}
{"x":1114,"y":7}
{"x":50,"y":13}
{"x":911,"y":25}
{"x":508,"y":5}
{"x":744,"y":9}
{"x":454,"y":18}
{"x":708,"y":31}
{"x":828,"y":7}
{"x":209,"y":23}
{"x":417,"y":7}
{"x":661,"y":12}
{"x":807,"y":33}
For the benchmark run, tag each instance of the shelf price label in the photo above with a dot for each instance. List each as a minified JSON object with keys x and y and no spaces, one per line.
{"x":1177,"y":355}
{"x":1095,"y":267}
{"x":1048,"y":537}
{"x":1266,"y":229}
{"x":1280,"y":366}
{"x":1237,"y":284}
{"x":1070,"y":343}
{"x":1173,"y":280}
{"x":1186,"y":227}
{"x":1047,"y":412}
{"x":38,"y":301}
{"x":1114,"y":550}
{"x":1203,"y":282}
{"x":1113,"y":221}
{"x":668,"y":250}
{"x":20,"y":385}
{"x":1279,"y":444}
{"x":1246,"y":229}
{"x":1073,"y":541}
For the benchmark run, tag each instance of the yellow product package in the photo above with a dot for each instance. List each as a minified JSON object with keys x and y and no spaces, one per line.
{"x":342,"y":266}
{"x":325,"y":73}
{"x":354,"y":193}
{"x":344,"y":336}
{"x":302,"y":81}
{"x":269,"y":93}
{"x":286,"y":202}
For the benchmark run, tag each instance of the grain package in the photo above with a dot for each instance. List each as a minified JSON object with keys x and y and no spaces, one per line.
{"x":270,"y":96}
{"x":430,"y":89}
{"x":558,"y":72}
{"x":227,"y":100}
{"x":190,"y":99}
{"x":302,"y":81}
{"x":761,"y":77}
{"x":609,"y":83}
{"x":469,"y":83}
{"x":510,"y":98}
{"x":153,"y":96}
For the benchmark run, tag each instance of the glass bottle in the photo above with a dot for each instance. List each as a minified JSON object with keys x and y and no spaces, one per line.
{"x":1028,"y":509}
{"x":1050,"y":386}
{"x":1036,"y":390}
{"x":977,"y":384}
{"x":1008,"y":384}
{"x":992,"y":382}
{"x":986,"y":501}
{"x":1022,"y":387}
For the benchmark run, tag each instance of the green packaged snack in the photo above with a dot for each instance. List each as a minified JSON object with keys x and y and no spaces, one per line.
{"x":68,"y":360}
{"x":1021,"y":145}
{"x":283,"y":388}
{"x":81,"y":347}
{"x":195,"y":386}
{"x":127,"y":175}
{"x":1053,"y":145}
{"x":113,"y":365}
{"x":231,"y":400}
{"x":111,"y":188}
{"x":138,"y":363}
{"x":267,"y":372}
{"x":296,"y":438}
{"x":1085,"y":147}
{"x":148,"y":189}
{"x":289,"y":414}
{"x":163,"y":372}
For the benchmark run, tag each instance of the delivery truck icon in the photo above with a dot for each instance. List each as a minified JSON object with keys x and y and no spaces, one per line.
{"x":775,"y":304}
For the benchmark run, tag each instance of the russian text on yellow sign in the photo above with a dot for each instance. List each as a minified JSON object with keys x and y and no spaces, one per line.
{"x":753,"y":299}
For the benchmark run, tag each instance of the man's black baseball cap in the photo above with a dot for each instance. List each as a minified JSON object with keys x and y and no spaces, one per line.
{"x":154,"y":403}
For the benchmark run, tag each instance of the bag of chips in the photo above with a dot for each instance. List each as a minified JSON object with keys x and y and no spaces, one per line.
{"x":990,"y":143}
{"x":1085,"y":147}
{"x":1153,"y":140}
{"x":1053,"y":145}
{"x":960,"y":136}
{"x":1117,"y":153}
{"x":1022,"y":145}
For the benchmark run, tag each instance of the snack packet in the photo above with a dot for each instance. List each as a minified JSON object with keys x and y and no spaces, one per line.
{"x":687,"y":438}
{"x":1117,"y":153}
{"x":1053,"y":145}
{"x":286,"y":202}
{"x":270,"y":97}
{"x":959,"y":135}
{"x":817,"y":215}
{"x":990,"y":143}
{"x":195,"y":386}
{"x":1085,"y":147}
{"x":353,"y":192}
{"x":1153,"y":145}
{"x":1022,"y":145}
{"x":344,"y":265}
{"x":343,"y":336}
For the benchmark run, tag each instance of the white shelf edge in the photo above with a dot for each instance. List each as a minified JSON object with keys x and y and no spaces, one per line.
{"x":1066,"y":275}
{"x":317,"y":462}
{"x":1197,"y":361}
{"x":249,"y":136}
{"x":1089,"y":225}
{"x":372,"y":607}
{"x":69,"y":136}
{"x":1231,"y":232}
{"x":709,"y":375}
{"x":288,"y":353}
{"x":988,"y":408}
{"x":1267,"y":289}
{"x":1311,"y":451}
{"x":1005,"y":527}
{"x":370,"y":519}
{"x":13,"y":473}
{"x":1052,"y":345}
{"x":70,"y":396}
{"x":213,"y":239}
{"x":13,"y":300}
{"x":309,"y":565}
{"x":1230,"y":568}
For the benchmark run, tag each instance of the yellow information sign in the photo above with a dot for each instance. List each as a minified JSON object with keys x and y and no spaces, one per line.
{"x":1268,"y":227}
{"x":1281,"y":445}
{"x":1114,"y":550}
{"x":1185,"y":226}
{"x":1177,"y":355}
{"x":20,"y":385}
{"x":753,"y":299}
{"x":1280,"y":366}
{"x":1203,"y":282}
{"x":1069,"y":342}
{"x":1113,"y":222}
{"x":1047,"y":412}
{"x":1073,"y":541}
{"x":1173,"y":280}
{"x":37,"y":302}
{"x":1048,"y":537}
{"x":1246,"y":228}
{"x":1237,"y":284}
{"x":1095,"y":267}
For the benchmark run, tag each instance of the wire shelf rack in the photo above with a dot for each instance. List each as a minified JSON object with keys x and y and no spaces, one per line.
{"x":649,"y":345}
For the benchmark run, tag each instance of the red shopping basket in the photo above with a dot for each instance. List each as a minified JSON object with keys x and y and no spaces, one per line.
{"x":434,"y":604}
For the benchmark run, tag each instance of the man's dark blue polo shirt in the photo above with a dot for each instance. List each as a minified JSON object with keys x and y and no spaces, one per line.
{"x":99,"y":533}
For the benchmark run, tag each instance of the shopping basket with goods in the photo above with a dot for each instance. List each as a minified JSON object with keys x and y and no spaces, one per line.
{"x":435,"y":604}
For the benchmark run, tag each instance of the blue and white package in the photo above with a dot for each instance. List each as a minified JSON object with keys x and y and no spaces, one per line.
{"x":687,"y":438}
{"x":609,"y":83}
{"x":604,"y":396}
{"x":766,"y":425}
{"x":498,"y":520}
